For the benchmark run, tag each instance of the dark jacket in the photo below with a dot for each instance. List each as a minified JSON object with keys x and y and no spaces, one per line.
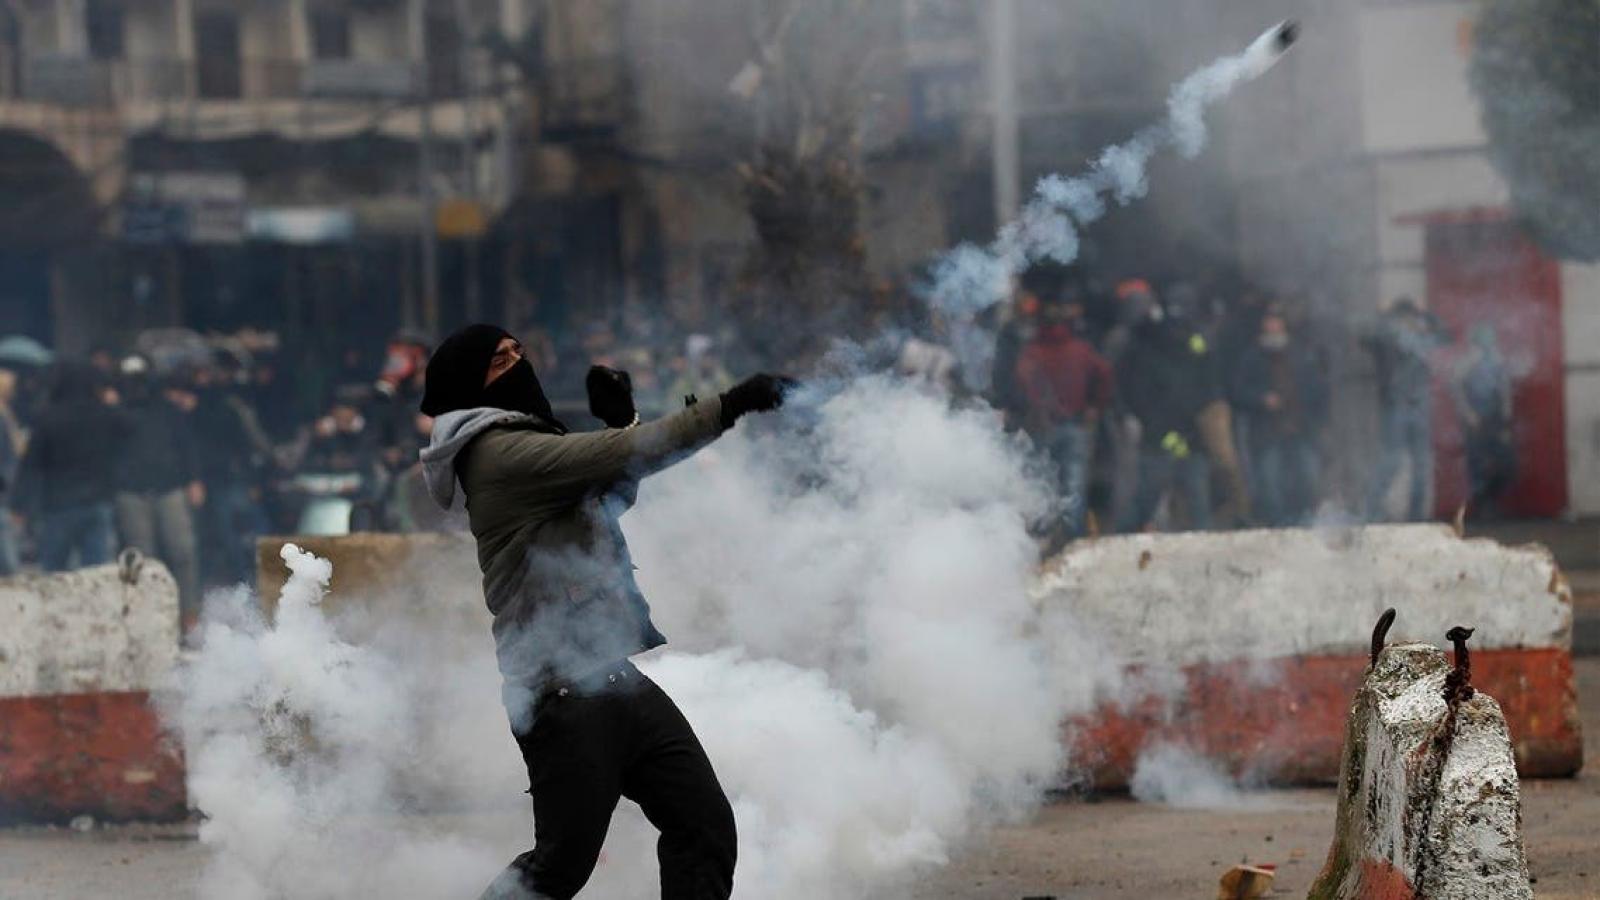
{"x":72,"y":455}
{"x":543,"y":507}
{"x":229,"y":439}
{"x":159,"y":453}
{"x":1165,"y":377}
{"x":1299,"y":379}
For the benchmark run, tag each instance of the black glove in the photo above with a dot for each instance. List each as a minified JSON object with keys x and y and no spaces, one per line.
{"x":611,"y":396}
{"x":758,"y":393}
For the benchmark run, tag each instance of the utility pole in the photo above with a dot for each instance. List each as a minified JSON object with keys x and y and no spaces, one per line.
{"x":429,"y":203}
{"x":469,"y":156}
{"x":1003,"y":108}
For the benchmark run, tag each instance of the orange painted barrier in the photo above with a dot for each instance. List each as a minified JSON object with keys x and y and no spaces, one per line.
{"x":78,"y":733}
{"x":1289,"y":728}
{"x":1247,"y":646}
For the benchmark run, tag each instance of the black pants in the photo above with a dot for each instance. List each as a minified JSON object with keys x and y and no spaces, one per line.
{"x":622,"y":737}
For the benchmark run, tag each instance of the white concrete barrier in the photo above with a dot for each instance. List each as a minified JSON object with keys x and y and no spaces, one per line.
{"x":1262,"y":636}
{"x":79,"y":654}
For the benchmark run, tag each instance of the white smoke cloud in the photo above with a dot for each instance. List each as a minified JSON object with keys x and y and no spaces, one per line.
{"x":846,"y":588}
{"x":1175,"y":775}
{"x":861,"y":671}
{"x":297,"y":743}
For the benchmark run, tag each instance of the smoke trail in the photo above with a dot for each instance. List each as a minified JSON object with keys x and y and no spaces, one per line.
{"x":971,"y":279}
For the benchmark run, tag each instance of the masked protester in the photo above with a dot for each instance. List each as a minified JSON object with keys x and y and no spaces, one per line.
{"x":543,"y":506}
{"x":1281,"y":392}
{"x":1167,"y":376}
{"x":1066,"y":386}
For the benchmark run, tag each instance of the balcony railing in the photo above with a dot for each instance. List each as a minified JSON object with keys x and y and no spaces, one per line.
{"x":353,"y":78}
{"x":95,"y":83}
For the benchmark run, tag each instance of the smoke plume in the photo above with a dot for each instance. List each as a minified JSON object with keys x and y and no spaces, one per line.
{"x":971,"y":279}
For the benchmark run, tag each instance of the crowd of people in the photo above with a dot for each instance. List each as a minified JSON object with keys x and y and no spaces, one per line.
{"x":190,"y":456}
{"x":1156,"y":408}
{"x":1160,"y":409}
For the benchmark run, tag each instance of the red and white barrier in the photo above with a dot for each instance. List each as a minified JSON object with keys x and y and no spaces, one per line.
{"x":1250,"y":644}
{"x":79,"y":654}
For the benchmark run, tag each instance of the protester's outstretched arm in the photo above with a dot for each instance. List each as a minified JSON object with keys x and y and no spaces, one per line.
{"x":582,"y":462}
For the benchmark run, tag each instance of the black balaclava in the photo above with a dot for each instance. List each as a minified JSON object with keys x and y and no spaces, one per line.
{"x":518,"y":390}
{"x":455,"y":374}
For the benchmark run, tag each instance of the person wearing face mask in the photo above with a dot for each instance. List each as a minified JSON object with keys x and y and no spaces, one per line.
{"x":1167,"y":375}
{"x":543,"y":504}
{"x":1066,"y":386}
{"x":1282,"y":395}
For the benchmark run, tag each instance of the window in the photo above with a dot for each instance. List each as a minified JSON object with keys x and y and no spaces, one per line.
{"x":216,"y":34}
{"x":330,"y":34}
{"x":103,"y":22}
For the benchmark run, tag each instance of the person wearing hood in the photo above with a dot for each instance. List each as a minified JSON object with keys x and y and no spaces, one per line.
{"x":65,"y":482}
{"x":543,"y":505}
{"x":1066,"y":387}
{"x":1167,"y":376}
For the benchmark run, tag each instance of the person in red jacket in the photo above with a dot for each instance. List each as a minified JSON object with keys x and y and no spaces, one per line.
{"x":1065,"y":386}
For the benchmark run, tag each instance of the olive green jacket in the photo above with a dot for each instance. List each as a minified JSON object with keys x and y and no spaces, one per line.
{"x":543,"y":507}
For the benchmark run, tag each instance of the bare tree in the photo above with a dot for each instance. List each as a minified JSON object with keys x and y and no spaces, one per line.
{"x":813,"y":70}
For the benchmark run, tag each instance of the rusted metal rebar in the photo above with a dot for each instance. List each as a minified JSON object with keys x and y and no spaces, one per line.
{"x":1458,"y":684}
{"x":1380,"y":634}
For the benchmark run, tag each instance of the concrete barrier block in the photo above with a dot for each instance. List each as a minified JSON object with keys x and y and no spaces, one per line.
{"x":419,"y":575}
{"x":1429,"y":801}
{"x":1256,"y":638}
{"x":79,"y":654}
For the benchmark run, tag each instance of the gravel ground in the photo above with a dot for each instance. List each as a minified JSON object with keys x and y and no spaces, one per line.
{"x":1079,"y":849}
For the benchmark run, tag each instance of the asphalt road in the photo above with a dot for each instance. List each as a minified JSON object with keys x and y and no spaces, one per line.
{"x":1079,"y":849}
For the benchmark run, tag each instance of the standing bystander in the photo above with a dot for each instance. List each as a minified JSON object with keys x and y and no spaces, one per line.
{"x":1402,"y":347}
{"x":158,"y":481}
{"x":1483,"y":401}
{"x":1282,"y":395}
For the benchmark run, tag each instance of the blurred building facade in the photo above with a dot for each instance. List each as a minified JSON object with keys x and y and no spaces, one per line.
{"x":261,"y":162}
{"x":304,"y":165}
{"x":1365,"y":174}
{"x":226,"y":163}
